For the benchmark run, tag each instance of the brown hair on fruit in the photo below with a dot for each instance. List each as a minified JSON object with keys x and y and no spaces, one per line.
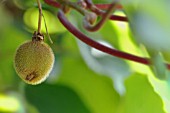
{"x":34,"y":60}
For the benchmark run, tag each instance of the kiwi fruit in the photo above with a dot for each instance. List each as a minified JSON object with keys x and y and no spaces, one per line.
{"x":34,"y":60}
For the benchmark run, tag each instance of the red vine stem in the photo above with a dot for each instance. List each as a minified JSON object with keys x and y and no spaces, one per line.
{"x":52,"y":3}
{"x":95,"y":44}
{"x":106,"y":15}
{"x":99,"y":46}
{"x":97,"y":9}
{"x":101,"y":6}
{"x":106,"y":6}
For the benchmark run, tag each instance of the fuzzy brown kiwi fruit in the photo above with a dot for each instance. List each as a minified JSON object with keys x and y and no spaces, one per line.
{"x":34,"y":60}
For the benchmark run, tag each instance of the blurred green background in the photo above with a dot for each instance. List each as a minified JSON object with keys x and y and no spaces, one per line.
{"x":85,"y":80}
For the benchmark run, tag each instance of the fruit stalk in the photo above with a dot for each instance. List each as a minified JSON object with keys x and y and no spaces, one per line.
{"x":40,"y":15}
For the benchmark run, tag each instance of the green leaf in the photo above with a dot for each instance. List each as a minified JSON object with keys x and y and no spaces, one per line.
{"x":149,"y":24}
{"x":110,"y":34}
{"x":55,"y":99}
{"x":125,"y":41}
{"x":96,"y":91}
{"x":141,"y":97}
{"x":31,"y":20}
{"x":5,"y":17}
{"x":159,"y":68}
{"x":11,"y":38}
{"x":105,"y":64}
{"x":17,"y":103}
{"x":24,"y":4}
{"x":162,"y":88}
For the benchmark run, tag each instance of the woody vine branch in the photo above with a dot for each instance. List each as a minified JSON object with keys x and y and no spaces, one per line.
{"x":93,"y":43}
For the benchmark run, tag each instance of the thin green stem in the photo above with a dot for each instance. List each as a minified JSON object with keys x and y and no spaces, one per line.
{"x":40,"y":16}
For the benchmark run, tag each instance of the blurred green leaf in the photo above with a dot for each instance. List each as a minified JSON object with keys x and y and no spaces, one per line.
{"x":24,"y":4}
{"x":149,"y":24}
{"x":12,"y":102}
{"x":31,"y":20}
{"x":162,"y":88}
{"x":103,"y":63}
{"x":141,"y":97}
{"x":5,"y":18}
{"x":159,"y":68}
{"x":166,"y":56}
{"x":110,"y":34}
{"x":125,"y":40}
{"x":55,"y":98}
{"x":96,"y":91}
{"x":10,"y":39}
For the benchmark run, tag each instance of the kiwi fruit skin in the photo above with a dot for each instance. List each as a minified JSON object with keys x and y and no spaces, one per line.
{"x":33,"y":61}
